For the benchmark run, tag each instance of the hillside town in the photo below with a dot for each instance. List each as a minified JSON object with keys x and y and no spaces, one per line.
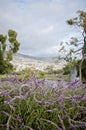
{"x":21,"y":63}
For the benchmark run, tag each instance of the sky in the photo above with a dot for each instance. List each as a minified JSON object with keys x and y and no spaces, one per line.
{"x":40,"y":24}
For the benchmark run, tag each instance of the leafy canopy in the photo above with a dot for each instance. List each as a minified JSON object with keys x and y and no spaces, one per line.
{"x":8,"y":46}
{"x":75,"y":49}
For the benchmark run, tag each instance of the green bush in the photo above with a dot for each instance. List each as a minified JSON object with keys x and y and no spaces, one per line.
{"x":40,"y":74}
{"x":6,"y":67}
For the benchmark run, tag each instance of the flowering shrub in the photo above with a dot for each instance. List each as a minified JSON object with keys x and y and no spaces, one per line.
{"x":42,"y":105}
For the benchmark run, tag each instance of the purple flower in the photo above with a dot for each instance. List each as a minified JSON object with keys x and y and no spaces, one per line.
{"x":73,"y":84}
{"x":62,"y":106}
{"x":60,"y":99}
{"x":59,"y":128}
{"x":13,"y":99}
{"x":12,"y":108}
{"x":73,"y":128}
{"x":4,"y":94}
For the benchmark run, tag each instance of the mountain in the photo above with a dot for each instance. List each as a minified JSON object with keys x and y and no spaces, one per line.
{"x":36,"y":58}
{"x":21,"y":61}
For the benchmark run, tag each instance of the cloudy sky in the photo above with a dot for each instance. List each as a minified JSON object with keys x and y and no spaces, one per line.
{"x":40,"y":24}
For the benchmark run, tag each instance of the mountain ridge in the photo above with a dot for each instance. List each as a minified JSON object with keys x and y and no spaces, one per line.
{"x":21,"y":61}
{"x":45,"y":58}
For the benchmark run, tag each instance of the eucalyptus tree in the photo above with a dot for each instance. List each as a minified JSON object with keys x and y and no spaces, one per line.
{"x":8,"y":46}
{"x":77,"y":46}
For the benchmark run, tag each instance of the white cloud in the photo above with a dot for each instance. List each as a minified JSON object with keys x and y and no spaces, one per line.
{"x":40,"y":24}
{"x":47,"y":30}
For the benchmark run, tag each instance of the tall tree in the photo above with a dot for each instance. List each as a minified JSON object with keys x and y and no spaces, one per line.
{"x":80,"y":22}
{"x":77,"y":46}
{"x":8,"y":46}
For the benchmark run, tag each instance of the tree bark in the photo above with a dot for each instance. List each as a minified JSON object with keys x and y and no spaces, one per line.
{"x":73,"y":74}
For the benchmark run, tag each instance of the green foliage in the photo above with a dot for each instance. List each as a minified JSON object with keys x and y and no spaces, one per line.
{"x":70,"y":51}
{"x":7,"y":50}
{"x":70,"y":65}
{"x":58,"y":71}
{"x":57,"y":109}
{"x":67,"y":68}
{"x":40,"y":74}
{"x":80,"y":22}
{"x":6,"y":67}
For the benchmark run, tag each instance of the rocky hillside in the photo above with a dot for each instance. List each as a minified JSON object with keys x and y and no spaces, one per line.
{"x":21,"y":61}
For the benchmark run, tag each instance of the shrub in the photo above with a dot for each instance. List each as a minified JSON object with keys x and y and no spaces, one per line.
{"x":41,"y":104}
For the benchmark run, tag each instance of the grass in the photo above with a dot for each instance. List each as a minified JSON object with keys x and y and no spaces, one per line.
{"x":2,"y":76}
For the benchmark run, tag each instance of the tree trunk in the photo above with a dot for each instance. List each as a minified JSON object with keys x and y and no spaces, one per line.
{"x":83,"y":55}
{"x":73,"y":74}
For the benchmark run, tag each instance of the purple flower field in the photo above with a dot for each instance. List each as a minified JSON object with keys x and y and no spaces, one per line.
{"x":41,"y":104}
